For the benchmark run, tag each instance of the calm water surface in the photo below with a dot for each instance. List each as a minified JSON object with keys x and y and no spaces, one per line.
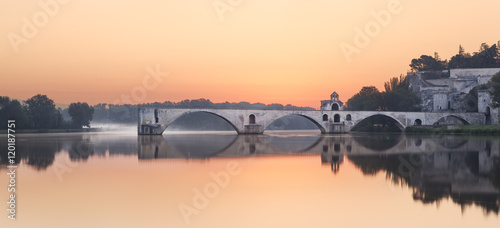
{"x":280,"y":179}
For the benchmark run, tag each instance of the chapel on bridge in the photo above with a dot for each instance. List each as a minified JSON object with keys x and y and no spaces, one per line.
{"x":334,"y":104}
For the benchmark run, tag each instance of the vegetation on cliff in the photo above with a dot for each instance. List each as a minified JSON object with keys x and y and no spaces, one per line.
{"x":486,"y":57}
{"x":396,"y":97}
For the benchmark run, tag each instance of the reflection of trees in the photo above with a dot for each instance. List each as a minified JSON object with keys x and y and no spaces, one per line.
{"x":431,"y":192}
{"x":435,"y":176}
{"x":39,"y":152}
{"x":379,"y":142}
{"x":490,"y":203}
{"x":81,"y":150}
{"x":4,"y":157}
{"x":398,"y":167}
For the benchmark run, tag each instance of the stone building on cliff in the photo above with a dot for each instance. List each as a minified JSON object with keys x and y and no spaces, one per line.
{"x":456,"y":90}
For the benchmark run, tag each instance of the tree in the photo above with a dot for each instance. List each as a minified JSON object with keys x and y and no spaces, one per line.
{"x":393,"y":83}
{"x":428,"y":63}
{"x":460,"y":60}
{"x":461,"y":50}
{"x":13,"y":110}
{"x":487,"y":57}
{"x":81,"y":114}
{"x":401,"y":99}
{"x":495,"y":93}
{"x":398,"y":96}
{"x":368,"y":99}
{"x":42,"y":111}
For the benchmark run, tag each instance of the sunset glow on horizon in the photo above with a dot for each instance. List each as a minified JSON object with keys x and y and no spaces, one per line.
{"x":281,"y":51}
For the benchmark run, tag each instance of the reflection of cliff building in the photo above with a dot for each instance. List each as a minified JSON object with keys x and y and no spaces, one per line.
{"x":467,"y":172}
{"x":463,"y":176}
{"x":333,"y":104}
{"x":449,"y":91}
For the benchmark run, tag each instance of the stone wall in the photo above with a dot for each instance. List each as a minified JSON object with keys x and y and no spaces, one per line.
{"x":440,"y":102}
{"x":485,"y":106}
{"x":463,"y":73}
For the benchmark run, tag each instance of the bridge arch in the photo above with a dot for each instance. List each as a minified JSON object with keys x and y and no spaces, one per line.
{"x":398,"y":123}
{"x":451,"y":119}
{"x":220,"y":115}
{"x":312,"y":119}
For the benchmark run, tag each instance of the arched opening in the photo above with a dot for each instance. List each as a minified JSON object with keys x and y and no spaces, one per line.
{"x":325,"y":117}
{"x":201,"y":121}
{"x":451,"y":120}
{"x":488,"y":115}
{"x":336,"y":118}
{"x":294,"y":122}
{"x":251,"y":119}
{"x":418,"y":122}
{"x":335,"y":107}
{"x":378,"y":123}
{"x":348,"y":117}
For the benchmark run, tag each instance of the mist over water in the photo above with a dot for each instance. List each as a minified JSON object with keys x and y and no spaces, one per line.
{"x":115,"y":127}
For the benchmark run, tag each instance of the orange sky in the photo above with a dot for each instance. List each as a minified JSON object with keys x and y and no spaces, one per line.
{"x":280,"y":51}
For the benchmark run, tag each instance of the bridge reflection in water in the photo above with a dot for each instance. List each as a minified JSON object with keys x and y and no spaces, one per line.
{"x":436,"y":168}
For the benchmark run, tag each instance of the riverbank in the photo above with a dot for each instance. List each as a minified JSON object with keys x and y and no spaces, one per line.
{"x":31,"y":131}
{"x":457,"y":129}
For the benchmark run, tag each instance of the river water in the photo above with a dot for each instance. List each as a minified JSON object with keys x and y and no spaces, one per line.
{"x":280,"y":179}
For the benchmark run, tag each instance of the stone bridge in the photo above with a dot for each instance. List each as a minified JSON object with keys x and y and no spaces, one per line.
{"x":156,"y":121}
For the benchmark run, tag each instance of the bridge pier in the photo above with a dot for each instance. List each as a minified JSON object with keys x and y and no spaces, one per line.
{"x":150,"y":129}
{"x":336,"y":128}
{"x":253,"y":129}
